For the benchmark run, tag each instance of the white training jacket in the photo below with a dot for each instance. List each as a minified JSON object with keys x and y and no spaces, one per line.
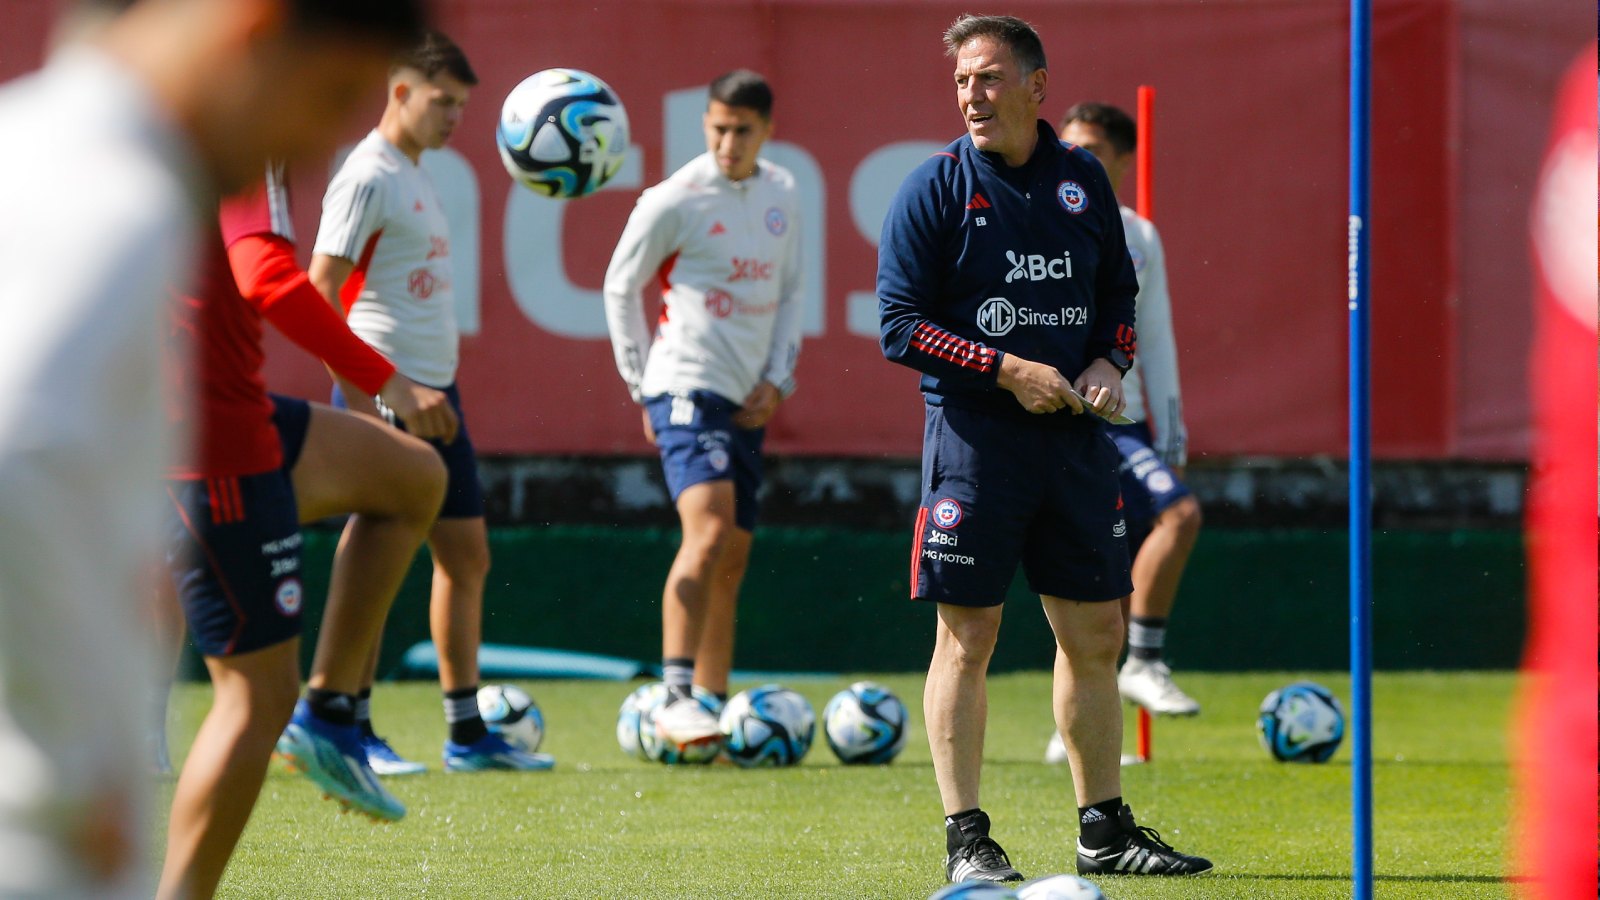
{"x":102,"y":196}
{"x":727,"y":256}
{"x":382,"y":213}
{"x":1151,"y":386}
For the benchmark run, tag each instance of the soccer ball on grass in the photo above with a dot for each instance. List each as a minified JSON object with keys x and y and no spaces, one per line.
{"x":512,"y":714}
{"x":1301,"y":722}
{"x":865,"y":723}
{"x":768,"y":726}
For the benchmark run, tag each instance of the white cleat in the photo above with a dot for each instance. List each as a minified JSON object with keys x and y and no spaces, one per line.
{"x":1149,"y":684}
{"x":684,"y":722}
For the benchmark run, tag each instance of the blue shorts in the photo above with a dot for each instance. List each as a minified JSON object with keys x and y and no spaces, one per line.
{"x":1148,"y":486}
{"x":699,"y":443}
{"x":998,"y":492}
{"x":233,"y":549}
{"x":463,"y":497}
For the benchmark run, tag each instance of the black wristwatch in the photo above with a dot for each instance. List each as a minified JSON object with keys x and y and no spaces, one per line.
{"x":1119,"y":358}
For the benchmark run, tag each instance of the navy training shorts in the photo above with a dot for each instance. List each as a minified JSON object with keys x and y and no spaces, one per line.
{"x":998,"y":492}
{"x":698,"y":443}
{"x":463,"y":497}
{"x":1149,"y":488}
{"x":233,"y":549}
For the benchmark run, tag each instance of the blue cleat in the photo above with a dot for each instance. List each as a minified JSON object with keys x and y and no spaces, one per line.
{"x":492,"y":753}
{"x":384,"y":761}
{"x":332,"y":757}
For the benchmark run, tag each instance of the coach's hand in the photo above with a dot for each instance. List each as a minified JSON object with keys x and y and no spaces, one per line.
{"x":758,"y":406}
{"x":1101,"y":385}
{"x":424,"y":411}
{"x":1038,"y":387}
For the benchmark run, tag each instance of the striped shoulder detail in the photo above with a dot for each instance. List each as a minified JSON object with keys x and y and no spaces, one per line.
{"x":937,"y":342}
{"x":278,"y":201}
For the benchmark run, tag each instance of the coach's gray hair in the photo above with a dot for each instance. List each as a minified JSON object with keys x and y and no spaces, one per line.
{"x":1009,"y":30}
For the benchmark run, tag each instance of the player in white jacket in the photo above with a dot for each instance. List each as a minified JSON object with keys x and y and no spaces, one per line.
{"x":720,"y":237}
{"x":1154,"y":451}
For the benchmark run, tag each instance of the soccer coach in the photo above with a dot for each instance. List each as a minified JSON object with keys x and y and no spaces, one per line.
{"x":1002,"y":269}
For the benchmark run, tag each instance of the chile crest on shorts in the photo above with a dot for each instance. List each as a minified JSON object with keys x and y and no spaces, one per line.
{"x":947,"y":513}
{"x":289,"y":597}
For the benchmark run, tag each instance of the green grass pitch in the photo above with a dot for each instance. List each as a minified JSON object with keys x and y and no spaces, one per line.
{"x":603,"y":825}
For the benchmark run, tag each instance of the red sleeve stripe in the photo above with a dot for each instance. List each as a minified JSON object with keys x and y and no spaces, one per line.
{"x":967,"y":354}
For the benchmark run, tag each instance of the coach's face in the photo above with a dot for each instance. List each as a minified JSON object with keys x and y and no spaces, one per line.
{"x":999,"y":103}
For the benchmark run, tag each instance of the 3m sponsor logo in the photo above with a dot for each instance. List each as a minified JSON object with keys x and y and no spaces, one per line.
{"x":289,"y":597}
{"x":746,"y":269}
{"x":944,"y":538}
{"x":996,"y":317}
{"x":947,"y":513}
{"x":1034,"y":267}
{"x":719,"y":303}
{"x":1072,"y":197}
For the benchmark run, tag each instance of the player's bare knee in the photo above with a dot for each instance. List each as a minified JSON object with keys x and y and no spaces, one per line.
{"x":1184,"y":518}
{"x":967,"y":645}
{"x":1092,"y":642}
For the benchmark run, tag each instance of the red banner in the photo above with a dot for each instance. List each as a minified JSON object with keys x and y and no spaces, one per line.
{"x":1252,"y":170}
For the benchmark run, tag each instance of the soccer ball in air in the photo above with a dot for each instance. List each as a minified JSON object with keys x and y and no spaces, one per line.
{"x":636,"y":727}
{"x":865,"y":723}
{"x":512,"y":714}
{"x":563,"y":133}
{"x":768,"y":726}
{"x":1059,"y":887}
{"x":1301,"y":722}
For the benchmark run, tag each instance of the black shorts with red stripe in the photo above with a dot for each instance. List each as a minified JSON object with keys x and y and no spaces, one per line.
{"x":233,"y":550}
{"x":998,"y":492}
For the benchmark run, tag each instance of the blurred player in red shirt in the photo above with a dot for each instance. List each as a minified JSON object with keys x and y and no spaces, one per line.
{"x":1556,"y":728}
{"x":262,"y":465}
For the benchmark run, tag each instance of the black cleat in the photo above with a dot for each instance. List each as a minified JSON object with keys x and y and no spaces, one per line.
{"x":981,"y":859}
{"x":1140,"y":851}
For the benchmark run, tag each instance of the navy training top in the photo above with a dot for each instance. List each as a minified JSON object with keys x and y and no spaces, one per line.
{"x":978,"y":259}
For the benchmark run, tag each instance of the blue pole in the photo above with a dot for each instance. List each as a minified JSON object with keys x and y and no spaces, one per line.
{"x":1360,"y":453}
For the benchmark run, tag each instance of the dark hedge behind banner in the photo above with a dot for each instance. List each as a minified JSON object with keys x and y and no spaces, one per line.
{"x":1250,"y":197}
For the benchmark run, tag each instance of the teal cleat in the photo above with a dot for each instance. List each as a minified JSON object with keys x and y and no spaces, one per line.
{"x":332,"y":757}
{"x":493,"y":753}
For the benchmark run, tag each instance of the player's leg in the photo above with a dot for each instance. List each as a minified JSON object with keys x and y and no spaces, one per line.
{"x":694,"y":434}
{"x":713,"y":658}
{"x":1088,"y":711}
{"x":167,"y":633}
{"x":965,"y":561}
{"x":1077,"y":559}
{"x":253,"y":695}
{"x":706,"y":513}
{"x":1160,"y":507}
{"x":460,"y":548}
{"x":955,"y":707}
{"x":392,"y":485}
